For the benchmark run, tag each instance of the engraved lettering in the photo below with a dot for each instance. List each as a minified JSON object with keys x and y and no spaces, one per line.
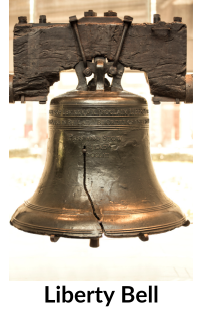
{"x":55,"y":112}
{"x":123,"y":121}
{"x":104,"y":147}
{"x":98,"y":155}
{"x":101,"y":112}
{"x":99,"y":146}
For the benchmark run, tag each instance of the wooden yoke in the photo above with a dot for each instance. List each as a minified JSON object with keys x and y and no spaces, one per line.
{"x":43,"y":50}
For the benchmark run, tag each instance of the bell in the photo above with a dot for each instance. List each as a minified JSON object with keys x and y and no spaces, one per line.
{"x":98,"y":177}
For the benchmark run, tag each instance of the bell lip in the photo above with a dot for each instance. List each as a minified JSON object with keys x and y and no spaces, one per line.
{"x":29,"y":220}
{"x":159,"y":229}
{"x":15,"y":223}
{"x":115,"y":234}
{"x":94,"y":233}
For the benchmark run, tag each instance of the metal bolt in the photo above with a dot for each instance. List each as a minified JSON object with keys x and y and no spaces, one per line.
{"x":156,"y":18}
{"x":156,"y":100}
{"x":90,"y":13}
{"x":42,"y":19}
{"x":112,"y":71}
{"x":23,"y":99}
{"x":128,"y":19}
{"x":73,"y":19}
{"x":178,"y":19}
{"x":22,"y":19}
{"x":87,"y":72}
{"x":110,"y":13}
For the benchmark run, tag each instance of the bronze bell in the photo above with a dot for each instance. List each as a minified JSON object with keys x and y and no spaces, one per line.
{"x":98,"y":177}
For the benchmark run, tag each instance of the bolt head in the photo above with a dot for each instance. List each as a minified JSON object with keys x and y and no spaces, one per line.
{"x":112,"y":71}
{"x":155,"y":100}
{"x":22,"y":19}
{"x":73,"y":19}
{"x":42,"y":19}
{"x":87,"y":72}
{"x":90,"y":13}
{"x":110,"y":13}
{"x":128,"y":19}
{"x":178,"y":19}
{"x":156,"y":18}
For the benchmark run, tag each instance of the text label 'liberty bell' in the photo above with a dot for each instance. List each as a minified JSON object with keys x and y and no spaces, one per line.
{"x":98,"y":177}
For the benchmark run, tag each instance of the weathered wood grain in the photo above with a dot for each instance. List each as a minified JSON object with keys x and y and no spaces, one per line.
{"x":41,"y":51}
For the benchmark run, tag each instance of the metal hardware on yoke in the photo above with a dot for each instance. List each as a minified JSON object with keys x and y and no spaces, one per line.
{"x":73,"y":20}
{"x":82,"y":83}
{"x":157,"y":100}
{"x":100,"y":73}
{"x":113,"y":68}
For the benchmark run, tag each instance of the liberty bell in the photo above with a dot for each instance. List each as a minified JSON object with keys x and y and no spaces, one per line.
{"x":98,"y":176}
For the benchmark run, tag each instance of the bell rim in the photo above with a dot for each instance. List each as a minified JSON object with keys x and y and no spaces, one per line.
{"x":116,"y":232}
{"x":108,"y":234}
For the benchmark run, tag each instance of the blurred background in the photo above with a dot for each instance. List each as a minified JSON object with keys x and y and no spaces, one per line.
{"x":171,"y":126}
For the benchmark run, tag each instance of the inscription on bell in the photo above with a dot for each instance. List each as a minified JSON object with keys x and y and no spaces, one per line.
{"x":98,"y":155}
{"x":96,"y":122}
{"x":99,"y":112}
{"x":93,"y":138}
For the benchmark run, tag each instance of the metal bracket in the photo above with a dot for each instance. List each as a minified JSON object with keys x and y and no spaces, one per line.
{"x":158,"y":100}
{"x":82,"y":82}
{"x":79,"y":68}
{"x":100,"y":73}
{"x":113,"y":68}
{"x":87,"y":71}
{"x":116,"y":82}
